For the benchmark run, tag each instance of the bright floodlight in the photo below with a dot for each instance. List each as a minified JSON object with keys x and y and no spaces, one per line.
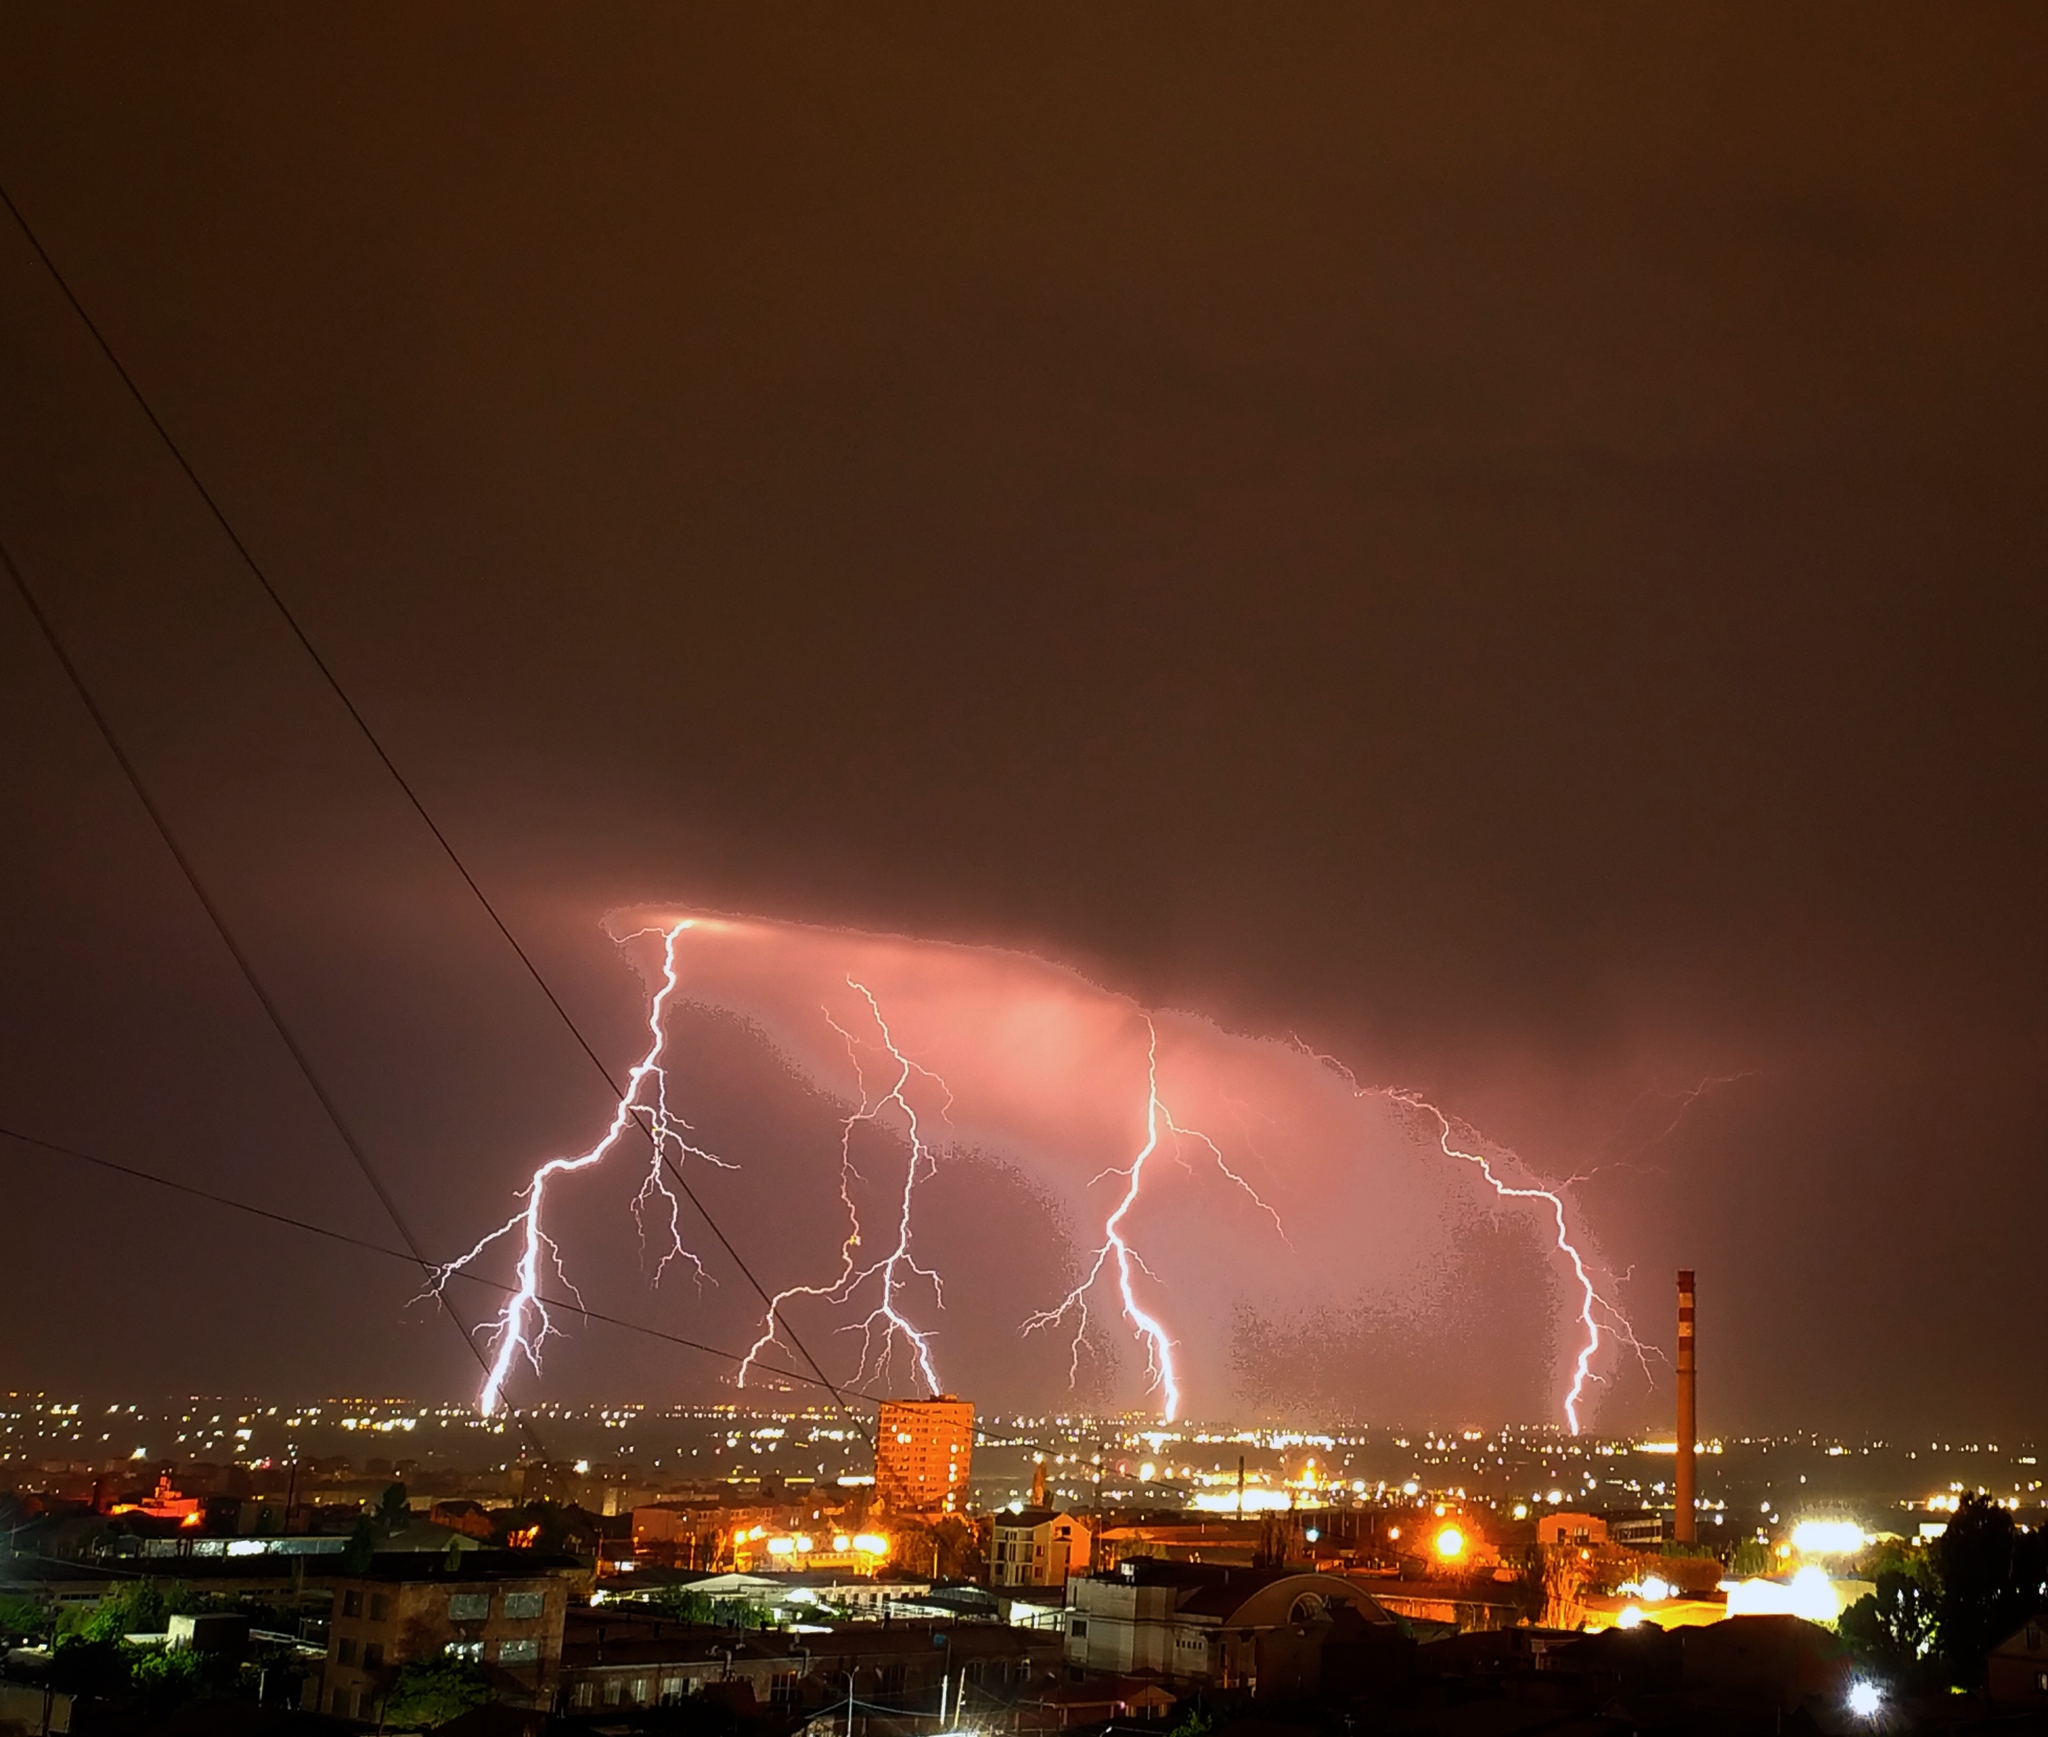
{"x":1866,"y":1700}
{"x":1630,"y":1617}
{"x":1450,"y":1543}
{"x":1810,"y":1594}
{"x":1828,"y":1538}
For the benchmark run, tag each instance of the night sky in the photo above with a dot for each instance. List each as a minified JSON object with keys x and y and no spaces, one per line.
{"x":1506,"y":542}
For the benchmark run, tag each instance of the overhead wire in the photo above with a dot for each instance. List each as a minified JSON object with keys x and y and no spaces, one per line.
{"x":210,"y":906}
{"x":291,"y":620}
{"x":567,"y":1304}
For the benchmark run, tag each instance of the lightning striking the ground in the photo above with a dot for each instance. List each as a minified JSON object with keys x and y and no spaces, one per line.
{"x":1161,"y":1376}
{"x":885,"y":1325}
{"x":523,"y":1326}
{"x":1592,"y":1305}
{"x":885,"y":1285}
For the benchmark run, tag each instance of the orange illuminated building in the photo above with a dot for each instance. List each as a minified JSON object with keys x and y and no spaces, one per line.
{"x":923,"y":1448}
{"x":166,"y":1504}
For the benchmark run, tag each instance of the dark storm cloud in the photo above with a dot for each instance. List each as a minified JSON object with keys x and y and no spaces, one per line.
{"x":1510,"y":542}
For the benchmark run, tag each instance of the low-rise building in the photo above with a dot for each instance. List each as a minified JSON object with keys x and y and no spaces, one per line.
{"x":1038,"y":1547}
{"x":1571,"y":1528}
{"x":1194,"y":1623}
{"x":2016,"y":1675}
{"x":1639,"y":1529}
{"x":510,"y":1620}
{"x":614,"y":1660}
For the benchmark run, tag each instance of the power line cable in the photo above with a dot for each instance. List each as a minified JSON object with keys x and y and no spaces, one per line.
{"x":235,"y":950}
{"x":640,"y":1117}
{"x":568,"y":1305}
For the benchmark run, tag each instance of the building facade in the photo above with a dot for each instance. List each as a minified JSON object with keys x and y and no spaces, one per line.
{"x":1037,"y":1547}
{"x":1193,"y":1623}
{"x":2017,"y":1671}
{"x":616,"y":1661}
{"x":382,"y":1620}
{"x":923,"y":1449}
{"x":1571,"y":1528}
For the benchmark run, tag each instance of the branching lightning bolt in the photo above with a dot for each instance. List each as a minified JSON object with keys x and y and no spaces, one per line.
{"x":1161,"y":1376}
{"x":886,"y":1323}
{"x":1684,"y":1100}
{"x":523,"y":1326}
{"x":1592,"y":1305}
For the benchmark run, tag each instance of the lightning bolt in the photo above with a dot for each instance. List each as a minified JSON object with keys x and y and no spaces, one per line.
{"x":523,"y":1326}
{"x":886,"y":1324}
{"x":1592,"y":1305}
{"x":1161,"y":1376}
{"x":1685,"y":1101}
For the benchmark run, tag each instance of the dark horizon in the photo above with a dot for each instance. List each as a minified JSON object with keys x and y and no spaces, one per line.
{"x":1505,"y":549}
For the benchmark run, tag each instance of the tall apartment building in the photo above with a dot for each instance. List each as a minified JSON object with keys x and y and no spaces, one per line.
{"x":923,"y":1448}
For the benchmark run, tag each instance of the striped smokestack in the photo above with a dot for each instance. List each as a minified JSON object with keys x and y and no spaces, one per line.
{"x":1683,"y":1487}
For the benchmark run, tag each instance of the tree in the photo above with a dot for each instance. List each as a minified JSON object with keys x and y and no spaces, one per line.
{"x":137,"y":1608}
{"x":944,"y":1548}
{"x":1527,"y":1588}
{"x":433,"y":1690}
{"x":1892,"y":1630}
{"x":89,"y":1669}
{"x":1992,"y":1578}
{"x":362,"y":1546}
{"x":167,"y":1677}
{"x":392,"y":1511}
{"x":1750,"y":1558}
{"x":25,"y":1616}
{"x":684,"y":1604}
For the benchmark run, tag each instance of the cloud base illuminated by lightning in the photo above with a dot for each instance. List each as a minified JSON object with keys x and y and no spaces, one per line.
{"x":1265,"y":1184}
